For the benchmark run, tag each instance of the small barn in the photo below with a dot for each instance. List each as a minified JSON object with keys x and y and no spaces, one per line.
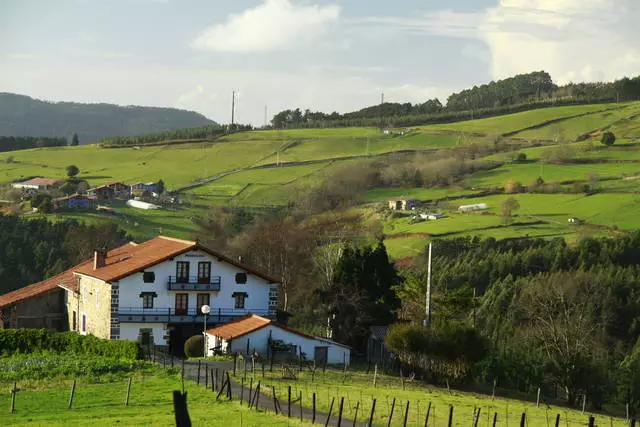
{"x":102,"y":193}
{"x":403,"y":204}
{"x":471,"y":208}
{"x":253,"y":333}
{"x":35,"y":184}
{"x":74,"y":201}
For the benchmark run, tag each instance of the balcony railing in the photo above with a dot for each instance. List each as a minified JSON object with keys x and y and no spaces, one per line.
{"x":192,"y":315}
{"x":194,"y":283}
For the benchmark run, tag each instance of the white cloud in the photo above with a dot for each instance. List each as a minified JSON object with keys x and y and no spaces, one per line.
{"x":273,"y":25}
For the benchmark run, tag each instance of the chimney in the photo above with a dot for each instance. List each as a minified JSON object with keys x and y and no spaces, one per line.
{"x":99,"y":258}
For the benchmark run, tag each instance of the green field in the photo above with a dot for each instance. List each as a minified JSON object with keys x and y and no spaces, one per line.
{"x":384,"y":194}
{"x":102,"y":403}
{"x":513,"y":122}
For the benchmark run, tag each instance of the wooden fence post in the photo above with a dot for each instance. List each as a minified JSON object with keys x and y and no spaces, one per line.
{"x":557,"y":420}
{"x":523,"y":419}
{"x":275,"y":400}
{"x":401,"y":378}
{"x":213,"y":384}
{"x":495,"y":419}
{"x":375,"y":375}
{"x":300,"y":404}
{"x":289,"y":401}
{"x":538,"y":398}
{"x":426,"y":417}
{"x":450,"y":424}
{"x":313,"y":416}
{"x":198,"y":380}
{"x":241,"y":391}
{"x":126,"y":400}
{"x":73,"y":392}
{"x":355,"y":417}
{"x":393,"y":405}
{"x":326,"y":423}
{"x":493,"y":392}
{"x":206,"y":376}
{"x":592,"y":421}
{"x":257,"y":395}
{"x":406,"y":415}
{"x":340,"y":411}
{"x":373,"y":410}
{"x":477,"y":418}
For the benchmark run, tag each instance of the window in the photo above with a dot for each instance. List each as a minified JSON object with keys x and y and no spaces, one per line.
{"x":147,"y":299}
{"x":84,"y":323}
{"x":239,"y":298}
{"x":148,"y":277}
{"x":204,"y":272}
{"x":75,"y":321}
{"x":202,"y":299}
{"x":182,"y":304}
{"x":241,"y":278}
{"x":182,"y":272}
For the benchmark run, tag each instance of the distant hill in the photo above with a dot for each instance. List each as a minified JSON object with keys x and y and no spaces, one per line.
{"x":24,"y":116}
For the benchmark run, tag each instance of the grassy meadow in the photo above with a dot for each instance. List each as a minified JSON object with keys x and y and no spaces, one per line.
{"x":272,"y":168}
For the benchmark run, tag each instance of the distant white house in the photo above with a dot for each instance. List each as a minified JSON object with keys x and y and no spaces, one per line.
{"x":138,"y":204}
{"x":431,"y":216}
{"x":253,"y":333}
{"x":35,"y":184}
{"x":470,"y":208}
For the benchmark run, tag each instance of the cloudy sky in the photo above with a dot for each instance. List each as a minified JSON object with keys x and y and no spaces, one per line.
{"x":320,"y":54}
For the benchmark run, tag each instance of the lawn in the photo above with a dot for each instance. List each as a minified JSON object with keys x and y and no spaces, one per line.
{"x":513,"y":122}
{"x":102,"y":403}
{"x":452,"y":223}
{"x":405,"y":246}
{"x":358,"y":391}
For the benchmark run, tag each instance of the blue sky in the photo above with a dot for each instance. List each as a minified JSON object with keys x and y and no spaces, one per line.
{"x":320,"y":54}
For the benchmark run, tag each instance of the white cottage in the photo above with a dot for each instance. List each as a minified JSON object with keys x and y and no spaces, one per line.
{"x":153,"y":292}
{"x":252,"y":333}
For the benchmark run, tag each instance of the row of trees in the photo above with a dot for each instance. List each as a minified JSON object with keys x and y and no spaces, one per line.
{"x":12,"y":143}
{"x":199,"y":133}
{"x":519,"y":93}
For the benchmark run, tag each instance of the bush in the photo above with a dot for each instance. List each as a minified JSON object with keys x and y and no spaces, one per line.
{"x":608,"y":138}
{"x":194,"y":346}
{"x":521,"y":157}
{"x":24,"y":341}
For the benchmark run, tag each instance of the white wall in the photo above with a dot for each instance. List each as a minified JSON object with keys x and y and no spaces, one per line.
{"x":256,"y":288}
{"x":258,"y":341}
{"x":130,"y":331}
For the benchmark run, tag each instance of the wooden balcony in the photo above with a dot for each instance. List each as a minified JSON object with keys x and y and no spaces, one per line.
{"x":169,"y":315}
{"x":194,"y":283}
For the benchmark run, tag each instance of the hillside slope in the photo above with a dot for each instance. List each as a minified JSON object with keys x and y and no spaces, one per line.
{"x":24,"y":116}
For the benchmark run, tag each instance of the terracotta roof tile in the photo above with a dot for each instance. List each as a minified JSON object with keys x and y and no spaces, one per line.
{"x":41,"y":181}
{"x":132,"y":258}
{"x":252,"y":322}
{"x":65,"y":278}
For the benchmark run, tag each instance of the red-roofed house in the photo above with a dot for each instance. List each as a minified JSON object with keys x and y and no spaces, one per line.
{"x":253,"y":333}
{"x":35,"y":184}
{"x":154,"y":291}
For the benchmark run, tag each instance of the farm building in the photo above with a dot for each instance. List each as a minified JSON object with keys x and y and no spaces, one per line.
{"x":74,"y":201}
{"x":470,"y":208}
{"x":109,"y":191}
{"x":252,"y":333}
{"x":431,"y":216}
{"x":144,"y":186}
{"x":36,"y":184}
{"x":403,"y":204}
{"x":138,"y":204}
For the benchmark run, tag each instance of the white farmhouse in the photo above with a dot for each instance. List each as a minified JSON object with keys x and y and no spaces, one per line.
{"x":253,"y":333}
{"x":153,"y":292}
{"x":35,"y":184}
{"x":475,"y":207}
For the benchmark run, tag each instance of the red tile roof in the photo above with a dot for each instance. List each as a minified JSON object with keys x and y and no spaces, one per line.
{"x":122,"y":262}
{"x":73,"y":196}
{"x":65,"y":279}
{"x":252,"y":322}
{"x":40,"y":181}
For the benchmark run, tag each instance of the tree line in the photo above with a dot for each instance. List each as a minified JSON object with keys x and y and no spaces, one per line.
{"x":199,"y":133}
{"x":12,"y":143}
{"x":519,"y":93}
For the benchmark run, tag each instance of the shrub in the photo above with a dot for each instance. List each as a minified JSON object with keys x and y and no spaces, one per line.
{"x":608,"y":138}
{"x":521,"y":157}
{"x":194,"y":346}
{"x":23,"y":341}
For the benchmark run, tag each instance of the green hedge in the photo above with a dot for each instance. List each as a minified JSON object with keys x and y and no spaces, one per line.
{"x":24,"y":341}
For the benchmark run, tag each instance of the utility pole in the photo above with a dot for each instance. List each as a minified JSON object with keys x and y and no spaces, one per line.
{"x":233,"y":107}
{"x":265,"y":116}
{"x":427,"y":304}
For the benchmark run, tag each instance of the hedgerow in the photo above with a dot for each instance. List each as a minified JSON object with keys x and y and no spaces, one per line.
{"x":25,"y":341}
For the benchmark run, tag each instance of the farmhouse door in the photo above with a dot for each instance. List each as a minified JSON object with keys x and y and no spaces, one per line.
{"x":182,"y":304}
{"x":320,"y":355}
